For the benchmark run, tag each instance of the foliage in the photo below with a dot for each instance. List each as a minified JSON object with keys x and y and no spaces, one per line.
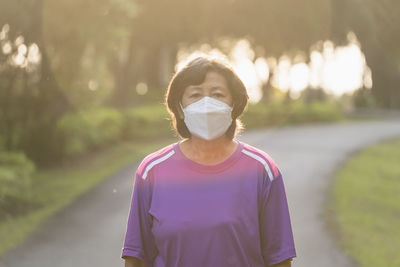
{"x":146,"y":122}
{"x":30,"y":101}
{"x":19,"y":63}
{"x":376,"y":24}
{"x":99,"y":127}
{"x":364,"y":98}
{"x":56,"y":188}
{"x":15,"y":182}
{"x":277,"y":113}
{"x":110,"y":46}
{"x":85,"y":51}
{"x":88,"y":129}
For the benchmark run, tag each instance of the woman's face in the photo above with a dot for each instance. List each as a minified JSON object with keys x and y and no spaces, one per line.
{"x":214,"y":85}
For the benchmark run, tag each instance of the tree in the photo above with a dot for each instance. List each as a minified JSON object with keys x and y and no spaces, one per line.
{"x":377,"y":25}
{"x":32,"y":100}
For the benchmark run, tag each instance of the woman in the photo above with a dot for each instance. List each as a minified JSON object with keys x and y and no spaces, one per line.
{"x":208,"y":200}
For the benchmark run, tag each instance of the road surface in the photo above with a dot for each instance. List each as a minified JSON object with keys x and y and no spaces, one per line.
{"x":90,"y":231}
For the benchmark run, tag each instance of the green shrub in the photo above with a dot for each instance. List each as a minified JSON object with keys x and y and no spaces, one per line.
{"x":97,"y":127}
{"x":326,"y":111}
{"x":295,"y":112}
{"x":255,"y":115}
{"x":87,"y":129}
{"x":15,"y":181}
{"x":146,"y":122}
{"x":2,"y":145}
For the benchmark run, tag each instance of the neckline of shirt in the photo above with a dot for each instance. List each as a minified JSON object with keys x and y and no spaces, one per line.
{"x":209,"y":168}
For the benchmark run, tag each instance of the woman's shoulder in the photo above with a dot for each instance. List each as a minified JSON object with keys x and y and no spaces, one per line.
{"x":154,"y":158}
{"x":263,"y":158}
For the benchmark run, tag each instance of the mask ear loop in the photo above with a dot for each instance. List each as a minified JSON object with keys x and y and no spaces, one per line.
{"x":180,"y":104}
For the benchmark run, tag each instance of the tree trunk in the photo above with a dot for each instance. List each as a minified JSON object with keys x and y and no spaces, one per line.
{"x":49,"y":105}
{"x":124,"y":77}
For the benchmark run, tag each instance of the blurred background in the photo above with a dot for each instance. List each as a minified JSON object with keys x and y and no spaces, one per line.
{"x":82,"y":81}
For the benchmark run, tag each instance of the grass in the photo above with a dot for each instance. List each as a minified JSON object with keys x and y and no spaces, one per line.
{"x":366,"y":202}
{"x":56,"y":188}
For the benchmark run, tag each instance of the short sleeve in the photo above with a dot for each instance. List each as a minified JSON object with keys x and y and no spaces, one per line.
{"x":277,"y":241}
{"x":139,"y":240}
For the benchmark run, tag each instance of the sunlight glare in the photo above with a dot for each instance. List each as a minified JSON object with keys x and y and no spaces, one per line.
{"x":367,"y":78}
{"x":299,"y":77}
{"x":262,"y":69}
{"x":141,"y":88}
{"x":22,"y":49}
{"x":19,"y":40}
{"x":4,"y":31}
{"x":337,"y":70}
{"x":18,"y":59}
{"x":7,"y":48}
{"x":34,"y":55}
{"x":316,"y":64}
{"x":93,"y":85}
{"x":281,"y":79}
{"x":343,"y":69}
{"x":242,"y":57}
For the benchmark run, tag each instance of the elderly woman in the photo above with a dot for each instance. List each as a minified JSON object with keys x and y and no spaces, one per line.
{"x":208,"y":200}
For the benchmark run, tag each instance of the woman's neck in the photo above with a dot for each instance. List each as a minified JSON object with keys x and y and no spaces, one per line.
{"x":204,"y":150}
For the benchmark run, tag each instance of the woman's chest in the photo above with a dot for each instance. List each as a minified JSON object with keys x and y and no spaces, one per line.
{"x":204,"y":206}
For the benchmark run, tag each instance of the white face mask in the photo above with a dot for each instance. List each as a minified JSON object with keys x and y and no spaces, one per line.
{"x":208,"y":118}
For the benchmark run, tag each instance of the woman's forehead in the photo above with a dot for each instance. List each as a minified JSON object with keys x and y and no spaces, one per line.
{"x":211,"y":80}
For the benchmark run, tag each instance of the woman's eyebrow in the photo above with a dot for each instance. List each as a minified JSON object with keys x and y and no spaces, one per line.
{"x":197,"y":87}
{"x":217,"y":87}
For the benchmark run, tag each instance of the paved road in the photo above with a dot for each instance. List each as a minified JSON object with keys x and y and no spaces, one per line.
{"x":90,"y":231}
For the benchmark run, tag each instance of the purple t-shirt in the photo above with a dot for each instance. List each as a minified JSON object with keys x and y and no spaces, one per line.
{"x":186,"y":214}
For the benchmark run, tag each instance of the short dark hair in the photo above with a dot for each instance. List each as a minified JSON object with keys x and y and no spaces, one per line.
{"x":194,"y":73}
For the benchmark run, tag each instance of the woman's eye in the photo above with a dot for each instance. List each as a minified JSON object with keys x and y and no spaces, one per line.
{"x":219,"y":95}
{"x":195,"y":95}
